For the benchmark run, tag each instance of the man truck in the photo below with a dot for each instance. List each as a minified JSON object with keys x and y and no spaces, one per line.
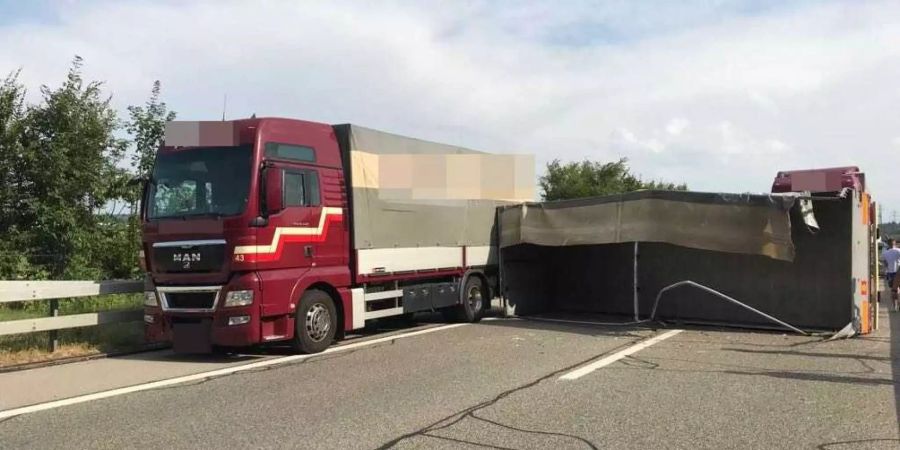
{"x":268,"y":229}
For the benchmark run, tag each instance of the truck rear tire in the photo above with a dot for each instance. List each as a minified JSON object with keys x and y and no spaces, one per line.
{"x":472,"y":307}
{"x":315,"y":324}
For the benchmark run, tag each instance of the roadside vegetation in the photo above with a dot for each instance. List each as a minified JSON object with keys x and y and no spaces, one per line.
{"x":67,"y":209}
{"x":581,"y":179}
{"x":890,"y":230}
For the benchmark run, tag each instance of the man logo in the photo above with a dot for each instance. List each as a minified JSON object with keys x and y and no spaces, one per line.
{"x":186,"y":259}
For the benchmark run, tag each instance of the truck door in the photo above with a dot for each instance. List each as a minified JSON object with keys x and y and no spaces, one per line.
{"x":315,"y":230}
{"x":297,"y":225}
{"x":290,"y":252}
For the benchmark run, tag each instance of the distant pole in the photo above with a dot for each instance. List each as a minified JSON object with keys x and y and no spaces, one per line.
{"x":224,"y":106}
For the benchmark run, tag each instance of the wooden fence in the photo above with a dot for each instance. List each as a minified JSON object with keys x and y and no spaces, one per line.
{"x":53,"y":291}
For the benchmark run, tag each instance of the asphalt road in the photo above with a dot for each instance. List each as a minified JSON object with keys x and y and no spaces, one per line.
{"x":497,"y":384}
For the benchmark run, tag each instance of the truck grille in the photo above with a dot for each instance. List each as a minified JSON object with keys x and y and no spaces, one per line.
{"x":189,"y":300}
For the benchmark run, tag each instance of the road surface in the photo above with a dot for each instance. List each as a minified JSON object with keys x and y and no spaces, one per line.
{"x":505,"y":383}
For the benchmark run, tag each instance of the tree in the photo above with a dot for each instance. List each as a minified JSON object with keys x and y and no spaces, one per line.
{"x":13,"y":261}
{"x":60,"y":179}
{"x":593,"y":178}
{"x":59,"y":162}
{"x":147,"y":128}
{"x":72,"y":154}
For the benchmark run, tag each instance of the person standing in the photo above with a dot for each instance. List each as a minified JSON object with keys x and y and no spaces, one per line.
{"x":891,"y":257}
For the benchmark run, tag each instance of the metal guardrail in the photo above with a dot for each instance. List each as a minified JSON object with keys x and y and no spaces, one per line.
{"x":25,"y":291}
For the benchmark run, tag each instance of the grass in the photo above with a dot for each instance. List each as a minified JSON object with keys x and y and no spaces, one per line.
{"x":41,"y":308}
{"x":33,"y":347}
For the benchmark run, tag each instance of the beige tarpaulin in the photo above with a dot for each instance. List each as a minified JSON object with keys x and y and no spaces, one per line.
{"x":737,"y":223}
{"x":412,"y":193}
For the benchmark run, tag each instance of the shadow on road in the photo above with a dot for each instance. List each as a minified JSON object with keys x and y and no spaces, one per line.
{"x":593,"y":324}
{"x":811,"y":354}
{"x":168,"y":356}
{"x":857,"y":444}
{"x":587,"y":329}
{"x":806,"y":376}
{"x":378,"y":328}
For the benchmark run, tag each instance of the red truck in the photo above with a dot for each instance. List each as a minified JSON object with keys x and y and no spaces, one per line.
{"x":848,"y":183}
{"x":269,"y":229}
{"x":832,"y":179}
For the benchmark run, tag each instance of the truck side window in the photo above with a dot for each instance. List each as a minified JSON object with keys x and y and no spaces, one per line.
{"x":301,"y":188}
{"x":294,"y":189}
{"x":312,"y":188}
{"x":290,"y":152}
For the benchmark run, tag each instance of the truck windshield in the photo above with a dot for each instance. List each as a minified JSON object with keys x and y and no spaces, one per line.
{"x":198,"y":182}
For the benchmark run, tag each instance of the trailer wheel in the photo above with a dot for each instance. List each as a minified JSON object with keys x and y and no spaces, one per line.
{"x":472,"y":307}
{"x":315,"y":323}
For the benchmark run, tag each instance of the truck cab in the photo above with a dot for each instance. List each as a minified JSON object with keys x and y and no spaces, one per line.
{"x":832,"y":179}
{"x":235,"y":214}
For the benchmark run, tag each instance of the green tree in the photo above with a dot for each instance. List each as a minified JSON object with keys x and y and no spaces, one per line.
{"x":593,"y":178}
{"x":59,"y":158}
{"x":13,"y":236}
{"x":60,"y":179}
{"x":147,"y":128}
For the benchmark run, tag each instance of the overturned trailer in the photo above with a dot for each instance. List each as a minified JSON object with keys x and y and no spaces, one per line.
{"x":734,"y":259}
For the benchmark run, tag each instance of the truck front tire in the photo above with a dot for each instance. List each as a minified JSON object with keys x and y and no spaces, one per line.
{"x":315,"y":324}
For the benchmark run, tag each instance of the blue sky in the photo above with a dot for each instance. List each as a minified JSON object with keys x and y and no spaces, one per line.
{"x":17,"y":11}
{"x":718,"y":94}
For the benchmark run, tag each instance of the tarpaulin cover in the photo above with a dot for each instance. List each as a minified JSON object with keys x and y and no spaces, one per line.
{"x":736,"y":223}
{"x":409,"y":193}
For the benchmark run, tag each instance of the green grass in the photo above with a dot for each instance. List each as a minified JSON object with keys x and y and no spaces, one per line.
{"x":41,"y":308}
{"x":114,"y":337}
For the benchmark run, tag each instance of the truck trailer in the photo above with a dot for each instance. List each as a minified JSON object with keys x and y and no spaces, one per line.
{"x":280,"y":230}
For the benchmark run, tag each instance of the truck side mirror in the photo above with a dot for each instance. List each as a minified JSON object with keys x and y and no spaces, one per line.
{"x":274,"y":196}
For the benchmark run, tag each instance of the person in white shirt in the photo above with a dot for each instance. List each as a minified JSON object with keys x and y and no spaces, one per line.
{"x":891,"y":257}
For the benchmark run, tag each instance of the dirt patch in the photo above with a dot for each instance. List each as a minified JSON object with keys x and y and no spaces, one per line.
{"x":30,"y":355}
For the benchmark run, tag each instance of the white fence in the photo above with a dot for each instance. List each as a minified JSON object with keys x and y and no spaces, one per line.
{"x":27,"y":291}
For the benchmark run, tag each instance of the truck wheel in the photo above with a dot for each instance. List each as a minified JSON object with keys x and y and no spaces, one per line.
{"x":315,"y":323}
{"x":472,"y":307}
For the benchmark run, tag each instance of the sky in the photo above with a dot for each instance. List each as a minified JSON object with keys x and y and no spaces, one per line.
{"x":718,"y":94}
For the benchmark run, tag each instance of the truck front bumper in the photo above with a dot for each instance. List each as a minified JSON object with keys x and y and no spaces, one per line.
{"x":197,"y":330}
{"x":197,"y":333}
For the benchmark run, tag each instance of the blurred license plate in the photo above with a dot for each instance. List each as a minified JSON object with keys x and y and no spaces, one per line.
{"x":192,"y":337}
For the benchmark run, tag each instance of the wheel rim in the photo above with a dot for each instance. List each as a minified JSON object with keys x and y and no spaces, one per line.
{"x":318,"y":322}
{"x":473,"y":296}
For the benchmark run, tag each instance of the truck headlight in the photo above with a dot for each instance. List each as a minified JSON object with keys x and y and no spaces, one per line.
{"x":150,"y":298}
{"x":238,"y":298}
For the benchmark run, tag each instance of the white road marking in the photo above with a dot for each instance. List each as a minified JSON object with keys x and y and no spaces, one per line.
{"x":214,"y":373}
{"x":586,"y":369}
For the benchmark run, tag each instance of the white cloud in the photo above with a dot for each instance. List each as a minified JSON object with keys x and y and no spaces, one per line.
{"x":628,"y":142}
{"x":677,"y":126}
{"x":720,"y":101}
